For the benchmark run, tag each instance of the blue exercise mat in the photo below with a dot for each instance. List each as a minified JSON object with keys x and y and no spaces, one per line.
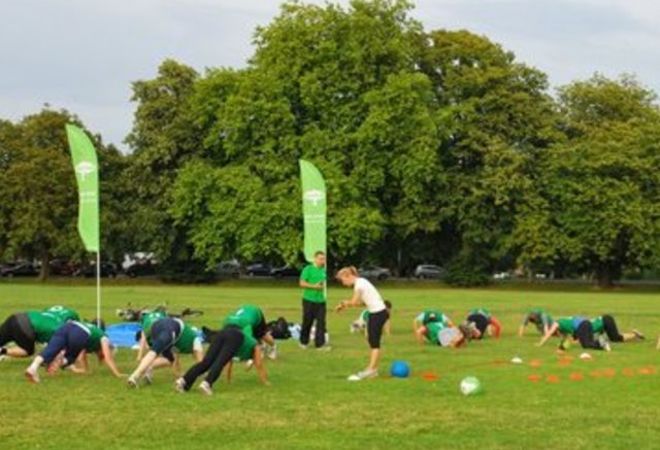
{"x":123,"y":334}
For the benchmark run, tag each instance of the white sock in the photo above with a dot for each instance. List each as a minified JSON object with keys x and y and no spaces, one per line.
{"x":35,"y":364}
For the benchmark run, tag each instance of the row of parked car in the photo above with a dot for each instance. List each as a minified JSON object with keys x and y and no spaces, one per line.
{"x":66,"y":269}
{"x":226,"y":269}
{"x":422,"y":271}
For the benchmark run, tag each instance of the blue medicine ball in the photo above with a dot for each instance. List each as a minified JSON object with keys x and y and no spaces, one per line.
{"x":400,"y":369}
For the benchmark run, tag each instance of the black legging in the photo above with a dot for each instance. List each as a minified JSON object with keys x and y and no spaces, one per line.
{"x":223,"y":347}
{"x":610,"y":328}
{"x":313,"y":311}
{"x":585,"y":334}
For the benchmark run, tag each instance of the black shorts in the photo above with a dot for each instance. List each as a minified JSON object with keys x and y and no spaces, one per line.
{"x":17,"y":329}
{"x":375,"y":326}
{"x":164,"y":334}
{"x":481,"y":322}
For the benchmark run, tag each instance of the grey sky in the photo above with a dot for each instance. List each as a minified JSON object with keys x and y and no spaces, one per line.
{"x":83,"y":54}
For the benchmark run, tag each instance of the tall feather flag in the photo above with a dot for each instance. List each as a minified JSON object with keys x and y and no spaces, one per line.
{"x":85,"y":165}
{"x":314,"y":210}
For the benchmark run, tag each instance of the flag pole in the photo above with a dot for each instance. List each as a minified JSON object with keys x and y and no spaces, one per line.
{"x":98,"y":286}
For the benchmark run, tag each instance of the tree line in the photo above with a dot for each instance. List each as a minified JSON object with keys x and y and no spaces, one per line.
{"x":437,"y":146}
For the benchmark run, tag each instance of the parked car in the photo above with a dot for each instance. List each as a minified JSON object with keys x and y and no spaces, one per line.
{"x":23,"y":269}
{"x":259,"y":270}
{"x":285,"y":272}
{"x":429,"y":271}
{"x":61,"y":267}
{"x":141,"y":269}
{"x":502,"y":276}
{"x":228,"y":269}
{"x":108,"y":270}
{"x":375,"y":273}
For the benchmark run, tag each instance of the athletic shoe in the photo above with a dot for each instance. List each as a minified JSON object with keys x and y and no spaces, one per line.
{"x":32,"y":376}
{"x":604,"y":343}
{"x":248,"y":364}
{"x":302,"y":346}
{"x":363,"y":375}
{"x":3,"y":357}
{"x":180,"y":385}
{"x":638,"y":334}
{"x":132,"y":383}
{"x":149,"y":376}
{"x":271,"y":352}
{"x":205,"y":387}
{"x":323,"y":348}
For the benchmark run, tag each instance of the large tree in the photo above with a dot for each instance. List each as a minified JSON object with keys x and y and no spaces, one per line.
{"x":596,"y":203}
{"x":38,"y":214}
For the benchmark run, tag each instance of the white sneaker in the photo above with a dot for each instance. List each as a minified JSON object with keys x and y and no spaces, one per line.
{"x":132,"y":382}
{"x":363,"y":375}
{"x":325,"y":348}
{"x":249,"y":364}
{"x":271,"y":352}
{"x":3,"y":357}
{"x":32,"y":376}
{"x":205,"y":387}
{"x":180,"y":385}
{"x":604,"y":343}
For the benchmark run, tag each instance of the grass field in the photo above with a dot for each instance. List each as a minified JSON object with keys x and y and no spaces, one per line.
{"x":310,"y":404}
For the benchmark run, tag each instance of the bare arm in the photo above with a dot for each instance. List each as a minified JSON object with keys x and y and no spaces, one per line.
{"x":521,"y":330}
{"x":420,"y":334}
{"x":354,"y":302}
{"x":258,"y":359}
{"x":108,"y":358}
{"x":548,"y":334}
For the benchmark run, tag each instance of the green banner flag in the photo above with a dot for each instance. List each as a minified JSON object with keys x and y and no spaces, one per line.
{"x":85,"y":165}
{"x":314,"y":209}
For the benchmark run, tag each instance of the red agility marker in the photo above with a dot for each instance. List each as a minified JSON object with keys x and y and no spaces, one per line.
{"x":646,"y":371}
{"x":430,"y":376}
{"x":609,"y":373}
{"x":552,"y":379}
{"x":535,"y":363}
{"x":628,"y":372}
{"x":577,"y":376}
{"x":534,"y":378}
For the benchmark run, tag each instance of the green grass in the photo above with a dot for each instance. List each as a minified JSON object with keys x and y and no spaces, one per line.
{"x":310,"y":404}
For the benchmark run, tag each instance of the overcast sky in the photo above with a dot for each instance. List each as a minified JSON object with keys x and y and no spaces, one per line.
{"x":82,"y":54}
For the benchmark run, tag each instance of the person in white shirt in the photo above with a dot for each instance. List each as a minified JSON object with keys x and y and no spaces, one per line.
{"x":364,"y":293}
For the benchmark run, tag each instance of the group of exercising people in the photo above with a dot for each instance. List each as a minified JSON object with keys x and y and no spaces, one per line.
{"x":244,"y":334}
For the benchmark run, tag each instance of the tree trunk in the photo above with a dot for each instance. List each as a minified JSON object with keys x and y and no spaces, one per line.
{"x":45,"y":266}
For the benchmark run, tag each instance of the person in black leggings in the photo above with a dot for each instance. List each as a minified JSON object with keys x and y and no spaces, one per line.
{"x":227,"y":344}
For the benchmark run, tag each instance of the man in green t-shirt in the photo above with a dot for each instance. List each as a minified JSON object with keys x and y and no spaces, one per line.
{"x":312,"y":280}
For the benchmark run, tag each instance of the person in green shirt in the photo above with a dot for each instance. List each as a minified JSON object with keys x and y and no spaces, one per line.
{"x":29,"y":328}
{"x":430,"y":315}
{"x":147,"y":319}
{"x":542,"y":320}
{"x":576,"y":328}
{"x":253,"y":317}
{"x":229,"y":343}
{"x":166,"y":335}
{"x":70,"y":343}
{"x":606,"y":324}
{"x":442,"y":334}
{"x":312,"y":280}
{"x":483,"y":321}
